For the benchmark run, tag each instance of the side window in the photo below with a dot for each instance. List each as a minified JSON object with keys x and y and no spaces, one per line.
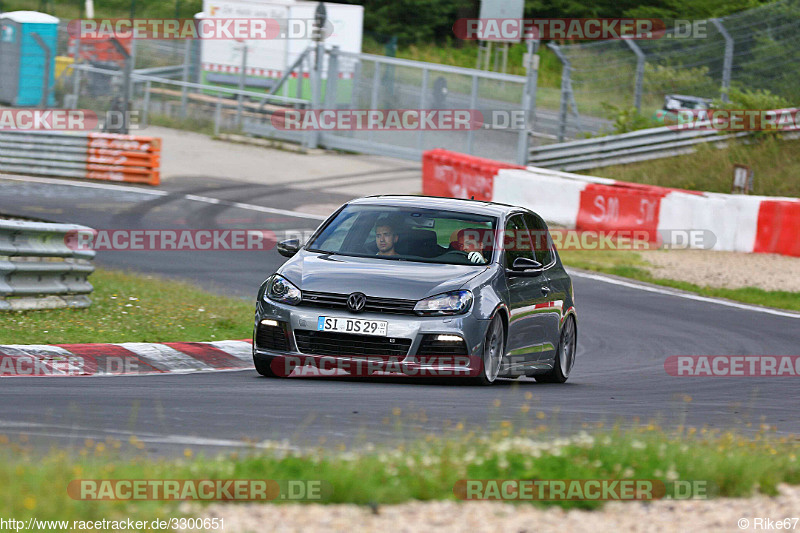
{"x":516,"y":240}
{"x":540,"y":237}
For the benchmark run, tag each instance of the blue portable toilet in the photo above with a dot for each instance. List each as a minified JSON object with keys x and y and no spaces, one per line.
{"x":23,"y":61}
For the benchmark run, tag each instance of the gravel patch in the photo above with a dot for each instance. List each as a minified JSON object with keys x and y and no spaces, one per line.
{"x":730,"y":270}
{"x":719,"y":515}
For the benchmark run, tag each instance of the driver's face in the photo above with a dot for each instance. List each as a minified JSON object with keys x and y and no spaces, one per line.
{"x":385,"y":239}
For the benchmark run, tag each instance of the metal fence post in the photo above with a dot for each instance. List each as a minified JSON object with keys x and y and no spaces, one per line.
{"x":422,"y":98}
{"x":529,"y":101}
{"x":146,"y":105}
{"x":376,"y":81}
{"x":242,"y":82}
{"x":473,"y":103}
{"x":316,"y":89}
{"x":565,"y":89}
{"x":332,"y":84}
{"x":727,"y":65}
{"x":217,"y":115}
{"x":640,"y":59}
{"x":127,"y":81}
{"x":356,"y":90}
{"x":298,"y":93}
{"x":76,"y":74}
{"x":185,"y":77}
{"x":46,"y":80}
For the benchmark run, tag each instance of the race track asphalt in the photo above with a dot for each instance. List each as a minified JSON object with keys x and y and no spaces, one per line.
{"x":625,"y":336}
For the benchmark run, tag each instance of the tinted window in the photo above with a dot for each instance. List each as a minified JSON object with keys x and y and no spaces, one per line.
{"x":542,"y":242}
{"x":516,"y":240}
{"x":409,"y":234}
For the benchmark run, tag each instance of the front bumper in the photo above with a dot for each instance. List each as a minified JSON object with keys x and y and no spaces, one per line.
{"x":292,"y":318}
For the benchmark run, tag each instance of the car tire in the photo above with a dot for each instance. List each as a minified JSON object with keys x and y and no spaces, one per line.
{"x":565,"y":355}
{"x":494,"y":346}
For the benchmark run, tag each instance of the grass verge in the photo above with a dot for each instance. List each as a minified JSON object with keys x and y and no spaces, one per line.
{"x":428,"y":469}
{"x":134,"y":308}
{"x":772,"y":159}
{"x":632,"y":265}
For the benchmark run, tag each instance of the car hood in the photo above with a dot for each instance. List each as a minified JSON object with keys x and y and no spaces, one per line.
{"x":384,"y":278}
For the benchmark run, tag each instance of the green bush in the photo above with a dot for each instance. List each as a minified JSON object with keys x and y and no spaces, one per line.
{"x":627,"y":119}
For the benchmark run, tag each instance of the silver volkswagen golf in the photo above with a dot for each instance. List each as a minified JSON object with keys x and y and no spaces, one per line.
{"x":421,"y":286}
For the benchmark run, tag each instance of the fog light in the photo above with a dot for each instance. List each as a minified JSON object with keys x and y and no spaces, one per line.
{"x":269,"y":322}
{"x":448,"y":338}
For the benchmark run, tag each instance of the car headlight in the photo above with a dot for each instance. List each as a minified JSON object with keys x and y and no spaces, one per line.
{"x":449,"y":303}
{"x":282,"y":290}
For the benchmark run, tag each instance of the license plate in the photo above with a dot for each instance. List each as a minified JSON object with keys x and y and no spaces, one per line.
{"x":352,"y":325}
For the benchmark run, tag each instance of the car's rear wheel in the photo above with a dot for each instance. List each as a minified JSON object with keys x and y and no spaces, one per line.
{"x":565,"y":355}
{"x":493,"y":349}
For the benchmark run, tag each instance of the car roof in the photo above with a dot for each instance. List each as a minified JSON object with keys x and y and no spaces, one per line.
{"x":688,"y":98}
{"x":477,"y":207}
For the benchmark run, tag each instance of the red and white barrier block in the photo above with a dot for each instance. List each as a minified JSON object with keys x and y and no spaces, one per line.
{"x":124,"y":359}
{"x":671,"y":217}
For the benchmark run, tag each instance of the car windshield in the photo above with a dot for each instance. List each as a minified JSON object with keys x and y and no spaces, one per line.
{"x":408,"y":234}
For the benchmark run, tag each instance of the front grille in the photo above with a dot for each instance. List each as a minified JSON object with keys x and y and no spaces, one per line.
{"x":373,"y":305}
{"x":332,"y":343}
{"x":272,"y":338}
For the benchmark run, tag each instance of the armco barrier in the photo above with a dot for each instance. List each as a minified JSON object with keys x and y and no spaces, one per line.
{"x":96,"y":156}
{"x":37,"y":268}
{"x":733,"y":222}
{"x":640,"y":145}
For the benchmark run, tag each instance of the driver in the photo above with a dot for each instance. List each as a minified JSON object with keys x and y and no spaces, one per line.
{"x":386,"y":237}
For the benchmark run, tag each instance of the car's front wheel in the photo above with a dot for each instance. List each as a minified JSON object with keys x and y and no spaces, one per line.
{"x":565,"y":355}
{"x":493,"y":349}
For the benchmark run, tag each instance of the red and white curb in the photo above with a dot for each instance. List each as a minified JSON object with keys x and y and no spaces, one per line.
{"x":738,"y":223}
{"x":129,"y":358}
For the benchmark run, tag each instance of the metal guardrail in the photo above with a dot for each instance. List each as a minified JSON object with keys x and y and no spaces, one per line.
{"x":630,"y":147}
{"x":39,"y":269}
{"x":81,"y":155}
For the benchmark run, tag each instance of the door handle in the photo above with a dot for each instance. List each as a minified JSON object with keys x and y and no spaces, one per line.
{"x":545,"y":289}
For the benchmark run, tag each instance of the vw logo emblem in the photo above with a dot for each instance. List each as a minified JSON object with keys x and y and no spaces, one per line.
{"x":356,"y":302}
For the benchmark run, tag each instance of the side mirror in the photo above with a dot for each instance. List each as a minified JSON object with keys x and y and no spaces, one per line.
{"x":525,"y":264}
{"x":289,"y":247}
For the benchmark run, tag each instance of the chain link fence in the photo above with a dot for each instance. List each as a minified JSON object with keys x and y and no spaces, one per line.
{"x":754,"y":49}
{"x":383,"y":83}
{"x":757,"y":49}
